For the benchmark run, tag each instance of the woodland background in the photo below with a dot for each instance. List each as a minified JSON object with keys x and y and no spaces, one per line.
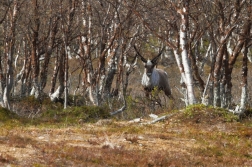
{"x":66,"y":66}
{"x":80,"y":52}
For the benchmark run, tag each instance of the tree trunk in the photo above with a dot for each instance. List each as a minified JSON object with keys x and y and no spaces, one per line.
{"x":34,"y":56}
{"x":59,"y":70}
{"x":2,"y":83}
{"x":66,"y":82}
{"x":195,"y":70}
{"x":7,"y":80}
{"x":183,"y":77}
{"x":66,"y":77}
{"x":48,"y":52}
{"x":184,"y":53}
{"x":244,"y":83}
{"x":217,"y":76}
{"x":125,"y":83}
{"x":112,"y":68}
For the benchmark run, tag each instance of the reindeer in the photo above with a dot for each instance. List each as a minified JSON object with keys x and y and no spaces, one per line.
{"x":154,"y":77}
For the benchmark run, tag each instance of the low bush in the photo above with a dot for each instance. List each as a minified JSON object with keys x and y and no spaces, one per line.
{"x":73,"y":115}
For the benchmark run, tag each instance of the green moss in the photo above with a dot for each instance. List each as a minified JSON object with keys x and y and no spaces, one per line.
{"x":193,"y":110}
{"x":9,"y":119}
{"x":210,"y":112}
{"x":76,"y":114}
{"x":6,"y":114}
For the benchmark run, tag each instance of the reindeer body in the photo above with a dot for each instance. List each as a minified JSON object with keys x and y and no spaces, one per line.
{"x":154,"y":77}
{"x":159,"y":79}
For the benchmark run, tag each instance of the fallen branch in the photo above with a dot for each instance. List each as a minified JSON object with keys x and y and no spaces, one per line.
{"x":118,"y":111}
{"x":136,"y":120}
{"x":160,"y":119}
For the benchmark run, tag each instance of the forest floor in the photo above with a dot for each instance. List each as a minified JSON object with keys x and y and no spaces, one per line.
{"x":196,"y":137}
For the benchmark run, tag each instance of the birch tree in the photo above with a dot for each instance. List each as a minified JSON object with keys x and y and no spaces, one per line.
{"x":244,"y":83}
{"x":102,"y":29}
{"x":64,"y":23}
{"x":36,"y":90}
{"x":49,"y":44}
{"x":229,"y":19}
{"x":41,"y":40}
{"x":184,"y":53}
{"x":85,"y":50}
{"x":6,"y":77}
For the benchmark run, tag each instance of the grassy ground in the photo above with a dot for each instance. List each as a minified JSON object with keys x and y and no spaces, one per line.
{"x":196,"y":136}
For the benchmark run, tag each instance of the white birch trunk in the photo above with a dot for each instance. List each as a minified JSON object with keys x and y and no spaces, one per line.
{"x":6,"y":99}
{"x":222,"y":95}
{"x":185,"y":60}
{"x":1,"y":95}
{"x":244,"y":93}
{"x":244,"y":97}
{"x":180,"y":65}
{"x":56,"y":95}
{"x":35,"y":91}
{"x":9,"y":79}
{"x":65,"y":70}
{"x":90,"y":90}
{"x":205,"y":99}
{"x":250,"y":56}
{"x":112,"y":68}
{"x":86,"y":42}
{"x":183,"y":77}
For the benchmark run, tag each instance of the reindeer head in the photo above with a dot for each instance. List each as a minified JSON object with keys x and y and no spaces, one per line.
{"x":149,"y":64}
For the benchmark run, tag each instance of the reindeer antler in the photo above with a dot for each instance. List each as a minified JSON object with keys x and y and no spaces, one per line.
{"x":154,"y":60}
{"x":142,"y":58}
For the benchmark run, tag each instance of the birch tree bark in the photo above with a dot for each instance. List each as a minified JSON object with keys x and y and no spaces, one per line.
{"x":244,"y":83}
{"x":25,"y":84}
{"x":112,"y":68}
{"x":184,"y":51}
{"x":88,"y":76}
{"x":49,"y":50}
{"x":117,"y":58}
{"x":236,"y":51}
{"x":66,"y":35}
{"x":110,"y":52}
{"x":7,"y":80}
{"x":36,"y":91}
{"x":220,"y":69}
{"x":58,"y":71}
{"x":2,"y":82}
{"x":61,"y":68}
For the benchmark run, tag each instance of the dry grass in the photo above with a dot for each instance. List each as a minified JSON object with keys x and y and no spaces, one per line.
{"x":198,"y":136}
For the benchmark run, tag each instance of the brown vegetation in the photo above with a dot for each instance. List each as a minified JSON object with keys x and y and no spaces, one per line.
{"x":196,"y":136}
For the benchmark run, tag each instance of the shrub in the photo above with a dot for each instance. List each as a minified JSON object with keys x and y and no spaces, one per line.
{"x":6,"y":114}
{"x":74,"y":115}
{"x":87,"y":113}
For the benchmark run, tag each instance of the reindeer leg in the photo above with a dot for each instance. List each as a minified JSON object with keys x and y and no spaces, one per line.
{"x":168,"y":94}
{"x":158,"y":101}
{"x":147,"y":94}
